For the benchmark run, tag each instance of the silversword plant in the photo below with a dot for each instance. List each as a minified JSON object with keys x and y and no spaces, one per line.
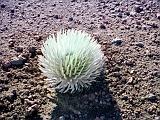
{"x":71,"y":60}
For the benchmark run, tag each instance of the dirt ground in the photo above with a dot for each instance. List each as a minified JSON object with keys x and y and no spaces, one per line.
{"x":129,"y":32}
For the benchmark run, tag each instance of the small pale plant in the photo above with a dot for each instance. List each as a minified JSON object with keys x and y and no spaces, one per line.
{"x":71,"y":60}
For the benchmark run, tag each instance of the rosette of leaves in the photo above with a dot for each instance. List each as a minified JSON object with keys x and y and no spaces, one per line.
{"x":71,"y":60}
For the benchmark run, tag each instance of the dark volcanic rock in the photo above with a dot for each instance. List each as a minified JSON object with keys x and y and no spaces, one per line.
{"x":139,"y":44}
{"x":12,"y":11}
{"x":11,"y":43}
{"x":138,"y":8}
{"x":18,"y":62}
{"x":3,"y":6}
{"x":38,"y":38}
{"x":32,"y":50}
{"x":117,"y":41}
{"x":151,"y":97}
{"x":158,"y":16}
{"x":19,"y":49}
{"x":102,"y":26}
{"x":70,"y":19}
{"x":6,"y":65}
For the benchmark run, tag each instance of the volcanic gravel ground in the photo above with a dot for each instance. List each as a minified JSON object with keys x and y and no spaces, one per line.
{"x":129,"y":32}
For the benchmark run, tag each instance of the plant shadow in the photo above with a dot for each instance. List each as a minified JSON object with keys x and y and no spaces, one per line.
{"x":95,"y":103}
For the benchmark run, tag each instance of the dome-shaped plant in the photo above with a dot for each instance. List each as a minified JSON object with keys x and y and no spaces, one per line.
{"x":71,"y":60}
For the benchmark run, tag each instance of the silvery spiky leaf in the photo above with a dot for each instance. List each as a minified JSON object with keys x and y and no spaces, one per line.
{"x":71,"y":60}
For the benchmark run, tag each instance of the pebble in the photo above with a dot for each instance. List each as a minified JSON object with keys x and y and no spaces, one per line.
{"x":18,"y":62}
{"x":11,"y":43}
{"x":120,"y":15}
{"x":73,"y":0}
{"x":12,"y":11}
{"x":156,"y":73}
{"x":151,"y":97}
{"x":158,"y":16}
{"x":138,"y":9}
{"x":31,"y":110}
{"x":11,"y":97}
{"x":140,"y":44}
{"x":116,"y":74}
{"x":19,"y":49}
{"x":56,"y":16}
{"x":6,"y":65}
{"x":130,"y":81}
{"x":116,"y":41}
{"x":70,"y":19}
{"x":124,"y":97}
{"x":1,"y":89}
{"x":32,"y":50}
{"x":38,"y":38}
{"x":14,"y":92}
{"x":129,"y":63}
{"x":29,"y":102}
{"x":132,"y":13}
{"x":153,"y":24}
{"x":3,"y":6}
{"x":61,"y":118}
{"x":102,"y":26}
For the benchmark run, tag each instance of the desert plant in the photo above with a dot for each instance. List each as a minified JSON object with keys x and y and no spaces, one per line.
{"x":71,"y":60}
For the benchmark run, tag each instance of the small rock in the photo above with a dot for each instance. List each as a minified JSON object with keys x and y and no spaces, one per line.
{"x":132,"y":71}
{"x":11,"y":97}
{"x":19,"y":49}
{"x":141,"y":45}
{"x":153,"y":24}
{"x":11,"y":43}
{"x":132,"y":13}
{"x":32,"y":110}
{"x":73,"y":0}
{"x":1,"y":89}
{"x":29,"y":102}
{"x":129,"y":62}
{"x":12,"y":11}
{"x":70,"y":19}
{"x":32,"y":50}
{"x":120,"y":15}
{"x":158,"y":16}
{"x":125,"y":97}
{"x":6,"y":65}
{"x":39,"y":52}
{"x":156,"y":73}
{"x":18,"y":62}
{"x":116,"y":74}
{"x":61,"y":118}
{"x":3,"y":6}
{"x":15,"y":116}
{"x":56,"y":16}
{"x":38,"y":38}
{"x":151,"y":97}
{"x":116,"y":41}
{"x":130,"y":81}
{"x":102,"y":26}
{"x":138,"y":9}
{"x":14,"y":92}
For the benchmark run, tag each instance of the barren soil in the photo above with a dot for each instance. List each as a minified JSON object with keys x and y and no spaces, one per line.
{"x":129,"y":32}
